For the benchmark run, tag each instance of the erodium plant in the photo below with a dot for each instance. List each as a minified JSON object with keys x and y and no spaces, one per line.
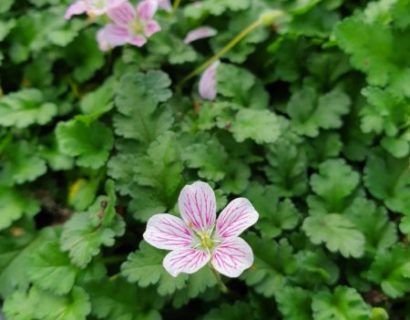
{"x":204,"y":160}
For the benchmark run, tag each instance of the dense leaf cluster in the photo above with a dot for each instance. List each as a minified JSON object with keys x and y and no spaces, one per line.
{"x":311,"y":123}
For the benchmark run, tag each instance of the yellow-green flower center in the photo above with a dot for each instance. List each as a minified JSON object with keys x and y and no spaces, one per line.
{"x":136,"y":27}
{"x":206,"y":241}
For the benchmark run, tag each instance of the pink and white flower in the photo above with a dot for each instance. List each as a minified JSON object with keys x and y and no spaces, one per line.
{"x":199,"y":238}
{"x":207,"y":83}
{"x":199,"y":33}
{"x":91,"y":7}
{"x":165,"y":4}
{"x":130,"y":25}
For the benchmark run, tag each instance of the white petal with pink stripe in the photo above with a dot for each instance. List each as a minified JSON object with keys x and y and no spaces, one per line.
{"x":232,"y":257}
{"x":197,"y":205}
{"x":168,"y":232}
{"x":238,"y":216}
{"x":185,"y":261}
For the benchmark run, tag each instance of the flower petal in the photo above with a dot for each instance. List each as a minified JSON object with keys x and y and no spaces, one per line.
{"x":165,"y":4}
{"x":151,"y":27}
{"x":146,"y":9}
{"x":111,"y":36}
{"x":232,"y":257}
{"x":197,"y":205}
{"x":207,"y":83}
{"x":185,"y":261}
{"x":103,"y":43}
{"x":165,"y":231}
{"x":138,"y":40}
{"x":238,"y":215}
{"x":199,"y":33}
{"x":114,"y":3}
{"x":76,"y":8}
{"x":122,"y":15}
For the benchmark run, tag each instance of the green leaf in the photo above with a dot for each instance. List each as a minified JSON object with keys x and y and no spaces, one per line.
{"x":238,"y":310}
{"x":370,"y":46}
{"x":337,"y":233}
{"x":145,"y":268}
{"x":391,"y":270}
{"x":315,"y":267}
{"x":343,"y":304}
{"x":275,"y":216}
{"x":14,"y":258}
{"x":91,"y":143}
{"x":137,"y":99}
{"x":388,"y":179}
{"x":196,"y":284}
{"x":160,"y":170}
{"x":294,"y":303}
{"x":85,"y":49}
{"x":15,"y":167}
{"x":274,"y":263}
{"x":334,"y":183}
{"x":24,"y":108}
{"x":209,"y":157}
{"x":374,"y":223}
{"x":100,"y":100}
{"x":5,"y":5}
{"x":86,"y":232}
{"x":287,"y":166}
{"x":116,"y":299}
{"x":171,"y":48}
{"x":310,"y":111}
{"x":262,"y":126}
{"x":14,"y":204}
{"x":215,"y":7}
{"x":12,"y":306}
{"x":50,"y":269}
{"x":74,"y":306}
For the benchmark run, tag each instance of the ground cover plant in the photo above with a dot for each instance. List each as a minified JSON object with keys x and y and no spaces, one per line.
{"x":109,"y":110}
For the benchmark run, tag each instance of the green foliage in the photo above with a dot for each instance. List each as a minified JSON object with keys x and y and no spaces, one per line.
{"x":337,"y":232}
{"x":311,"y":123}
{"x":310,"y":111}
{"x":344,"y":303}
{"x":260,"y":125}
{"x":50,"y":269}
{"x":40,"y":304}
{"x":391,"y":270}
{"x":14,"y":205}
{"x":90,"y":143}
{"x":15,"y":167}
{"x":25,"y":108}
{"x":86,"y":232}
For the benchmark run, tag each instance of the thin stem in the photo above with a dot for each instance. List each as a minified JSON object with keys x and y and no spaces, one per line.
{"x":176,"y":5}
{"x":223,"y":51}
{"x":221,"y":285}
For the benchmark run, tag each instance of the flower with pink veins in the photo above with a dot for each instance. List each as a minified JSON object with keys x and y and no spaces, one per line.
{"x":199,"y":33}
{"x":199,"y":238}
{"x":207,"y":82}
{"x":165,"y":4}
{"x":91,"y":7}
{"x":130,"y":24}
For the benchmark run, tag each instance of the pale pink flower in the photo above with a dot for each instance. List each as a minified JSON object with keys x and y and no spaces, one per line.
{"x":199,"y":33}
{"x":199,"y":238}
{"x":165,"y":4}
{"x":91,"y":7}
{"x":207,"y":83}
{"x":132,"y":25}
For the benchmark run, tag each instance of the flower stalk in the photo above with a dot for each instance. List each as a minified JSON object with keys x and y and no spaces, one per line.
{"x":264,"y":20}
{"x":221,"y":284}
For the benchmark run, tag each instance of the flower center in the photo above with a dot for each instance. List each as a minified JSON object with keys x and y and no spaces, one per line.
{"x":136,"y":27}
{"x":98,"y":4}
{"x":206,"y":241}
